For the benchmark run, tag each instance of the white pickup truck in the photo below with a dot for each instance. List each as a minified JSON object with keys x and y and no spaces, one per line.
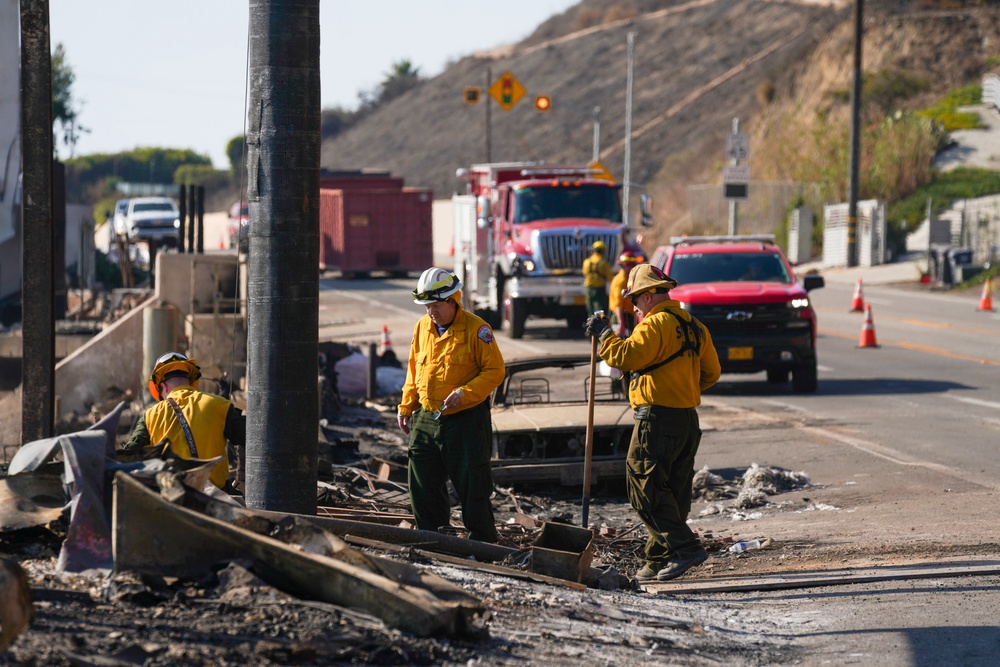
{"x":148,"y":219}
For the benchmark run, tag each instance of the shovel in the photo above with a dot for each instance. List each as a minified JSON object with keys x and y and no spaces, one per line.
{"x":589,"y":446}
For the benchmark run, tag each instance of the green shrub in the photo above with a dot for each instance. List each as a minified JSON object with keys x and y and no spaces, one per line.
{"x":943,"y":190}
{"x":945,"y":111}
{"x":888,"y":88}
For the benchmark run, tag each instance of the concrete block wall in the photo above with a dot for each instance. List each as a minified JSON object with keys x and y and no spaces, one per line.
{"x":114,"y":357}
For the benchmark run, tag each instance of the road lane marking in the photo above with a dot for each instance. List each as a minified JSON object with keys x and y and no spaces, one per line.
{"x":927,"y":323}
{"x":897,"y":457}
{"x":918,"y":347}
{"x":366,"y":298}
{"x":975,"y":401}
{"x":872,"y":448}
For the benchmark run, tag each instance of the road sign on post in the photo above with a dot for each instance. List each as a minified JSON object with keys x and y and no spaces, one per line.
{"x":507,"y":91}
{"x":737,"y":146}
{"x":472,"y":94}
{"x":736,"y":181}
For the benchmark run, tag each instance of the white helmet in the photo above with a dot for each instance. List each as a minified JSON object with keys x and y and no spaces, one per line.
{"x":435,"y":285}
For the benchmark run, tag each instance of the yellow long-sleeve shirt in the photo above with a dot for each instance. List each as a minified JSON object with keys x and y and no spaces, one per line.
{"x":618,"y":283}
{"x":596,"y":271}
{"x":466,"y":356}
{"x":677,"y":384}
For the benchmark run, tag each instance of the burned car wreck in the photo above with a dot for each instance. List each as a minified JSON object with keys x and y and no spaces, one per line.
{"x":540,"y":421}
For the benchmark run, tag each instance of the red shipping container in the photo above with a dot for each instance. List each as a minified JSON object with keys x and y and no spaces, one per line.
{"x":365,"y":230}
{"x":359,"y":180}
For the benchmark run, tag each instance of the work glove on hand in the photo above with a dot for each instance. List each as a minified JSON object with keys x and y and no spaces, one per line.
{"x":598,"y":327}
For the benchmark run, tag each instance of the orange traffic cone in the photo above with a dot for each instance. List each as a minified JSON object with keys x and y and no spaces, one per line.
{"x":386,"y":346}
{"x":867,"y":338}
{"x":858,"y":300}
{"x":986,"y":300}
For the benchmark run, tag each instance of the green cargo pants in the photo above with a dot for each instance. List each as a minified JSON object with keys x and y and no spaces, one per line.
{"x":455,"y":447}
{"x":659,"y":471}
{"x":597,"y":299}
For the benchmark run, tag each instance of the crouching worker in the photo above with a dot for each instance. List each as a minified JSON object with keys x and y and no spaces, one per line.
{"x":453,"y":368}
{"x":672,"y":360}
{"x":196,"y":424}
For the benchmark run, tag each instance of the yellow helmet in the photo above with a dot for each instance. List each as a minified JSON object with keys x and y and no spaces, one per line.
{"x":598,"y":246}
{"x":645,"y":277}
{"x":172,"y":362}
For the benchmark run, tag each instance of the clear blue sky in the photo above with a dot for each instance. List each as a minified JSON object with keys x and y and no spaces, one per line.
{"x":174,"y":74}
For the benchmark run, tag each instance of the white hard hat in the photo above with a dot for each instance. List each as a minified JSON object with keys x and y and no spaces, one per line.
{"x":434,"y":285}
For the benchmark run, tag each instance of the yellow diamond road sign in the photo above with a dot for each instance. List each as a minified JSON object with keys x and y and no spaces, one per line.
{"x":507,"y":91}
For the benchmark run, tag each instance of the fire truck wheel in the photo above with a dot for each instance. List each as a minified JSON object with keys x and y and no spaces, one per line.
{"x":515,"y":313}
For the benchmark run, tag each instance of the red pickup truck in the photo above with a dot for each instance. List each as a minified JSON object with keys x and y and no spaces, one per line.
{"x":745,"y":291}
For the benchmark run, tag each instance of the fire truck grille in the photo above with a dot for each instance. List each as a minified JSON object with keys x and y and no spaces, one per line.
{"x":562,"y":250}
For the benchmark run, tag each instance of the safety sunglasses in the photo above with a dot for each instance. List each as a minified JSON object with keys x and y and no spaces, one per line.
{"x":429,"y":296}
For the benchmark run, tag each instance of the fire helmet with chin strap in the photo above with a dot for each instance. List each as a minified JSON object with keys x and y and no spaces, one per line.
{"x":436,"y":285}
{"x":646,"y":277}
{"x":169,"y":363}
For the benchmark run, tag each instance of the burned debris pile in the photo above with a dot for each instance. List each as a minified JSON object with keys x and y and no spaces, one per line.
{"x":749,"y":490}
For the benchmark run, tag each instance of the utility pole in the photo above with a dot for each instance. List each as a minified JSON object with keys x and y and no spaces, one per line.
{"x":282,"y":278}
{"x":486,"y":101}
{"x":628,"y":130}
{"x":38,"y":302}
{"x":596,"y":155}
{"x":852,"y":201}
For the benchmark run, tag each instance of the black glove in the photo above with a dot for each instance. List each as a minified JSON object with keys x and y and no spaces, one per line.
{"x":598,"y":327}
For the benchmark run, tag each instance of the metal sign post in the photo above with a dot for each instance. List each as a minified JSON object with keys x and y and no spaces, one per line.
{"x":736,"y":175}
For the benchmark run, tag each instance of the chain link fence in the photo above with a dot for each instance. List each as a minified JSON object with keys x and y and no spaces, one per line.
{"x":763,"y":212}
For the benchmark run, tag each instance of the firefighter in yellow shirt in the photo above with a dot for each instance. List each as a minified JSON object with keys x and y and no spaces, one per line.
{"x":672,"y":360}
{"x":454,"y":366}
{"x":620,"y":307}
{"x":196,"y":425}
{"x":596,"y":276}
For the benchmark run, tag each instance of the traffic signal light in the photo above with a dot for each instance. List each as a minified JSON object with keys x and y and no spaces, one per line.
{"x":507,"y":91}
{"x":543,"y":103}
{"x":471,"y":95}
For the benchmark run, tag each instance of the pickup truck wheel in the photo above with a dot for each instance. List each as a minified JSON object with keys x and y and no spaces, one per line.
{"x":777,"y":377}
{"x":804,"y":378}
{"x":515,"y":313}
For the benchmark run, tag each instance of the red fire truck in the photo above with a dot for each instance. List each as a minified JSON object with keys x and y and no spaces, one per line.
{"x":522,"y":231}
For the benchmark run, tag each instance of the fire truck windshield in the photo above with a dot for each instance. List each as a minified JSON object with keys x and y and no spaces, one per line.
{"x":598,"y":202}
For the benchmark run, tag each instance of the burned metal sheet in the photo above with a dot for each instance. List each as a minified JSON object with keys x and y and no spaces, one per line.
{"x":155,"y":536}
{"x":30,"y":499}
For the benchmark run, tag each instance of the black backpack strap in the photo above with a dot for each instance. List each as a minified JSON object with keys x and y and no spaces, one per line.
{"x":184,"y":426}
{"x":690,"y":330}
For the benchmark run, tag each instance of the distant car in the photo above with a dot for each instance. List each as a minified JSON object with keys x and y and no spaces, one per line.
{"x":239,"y":218}
{"x":540,"y":422}
{"x":152,"y":219}
{"x":745,"y":291}
{"x":117,"y":218}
